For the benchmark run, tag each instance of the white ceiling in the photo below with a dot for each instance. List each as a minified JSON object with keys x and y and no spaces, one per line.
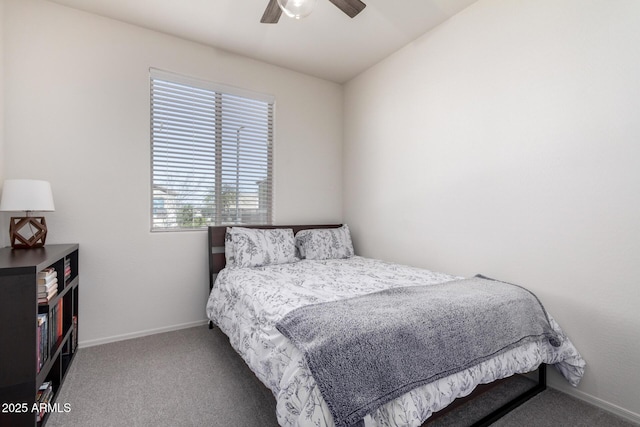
{"x":326,"y":44}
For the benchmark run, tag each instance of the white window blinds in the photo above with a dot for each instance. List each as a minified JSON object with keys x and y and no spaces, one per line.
{"x":211,"y":154}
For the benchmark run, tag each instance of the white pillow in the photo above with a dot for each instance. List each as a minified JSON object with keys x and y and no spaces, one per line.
{"x":254,"y":247}
{"x":325,"y":243}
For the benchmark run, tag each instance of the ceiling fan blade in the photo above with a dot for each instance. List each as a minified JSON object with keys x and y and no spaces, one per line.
{"x":350,"y":7}
{"x":271,"y":13}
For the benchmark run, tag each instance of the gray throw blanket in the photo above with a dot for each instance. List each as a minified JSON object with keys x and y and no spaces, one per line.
{"x":365,"y":351}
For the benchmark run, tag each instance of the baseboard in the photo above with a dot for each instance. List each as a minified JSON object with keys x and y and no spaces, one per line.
{"x":100,"y":341}
{"x":609,"y":407}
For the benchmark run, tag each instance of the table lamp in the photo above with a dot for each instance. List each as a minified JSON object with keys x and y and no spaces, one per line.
{"x":27,"y":195}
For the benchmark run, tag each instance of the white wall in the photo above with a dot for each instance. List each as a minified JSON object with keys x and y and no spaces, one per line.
{"x":77,"y":114}
{"x":506,"y":142}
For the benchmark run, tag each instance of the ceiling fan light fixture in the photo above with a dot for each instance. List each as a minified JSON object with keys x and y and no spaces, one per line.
{"x":297,"y":9}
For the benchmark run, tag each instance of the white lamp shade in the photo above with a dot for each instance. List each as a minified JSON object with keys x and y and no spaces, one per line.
{"x":26,"y":195}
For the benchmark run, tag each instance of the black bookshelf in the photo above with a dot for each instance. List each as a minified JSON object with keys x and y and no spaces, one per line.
{"x":28,"y":361}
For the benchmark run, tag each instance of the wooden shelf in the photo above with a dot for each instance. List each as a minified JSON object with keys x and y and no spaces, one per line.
{"x":20,"y":378}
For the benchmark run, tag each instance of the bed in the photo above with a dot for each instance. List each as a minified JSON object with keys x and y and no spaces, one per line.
{"x":252,"y":299}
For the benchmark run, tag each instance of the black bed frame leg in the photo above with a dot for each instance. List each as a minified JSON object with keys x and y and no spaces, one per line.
{"x":509,"y":406}
{"x":210,"y":324}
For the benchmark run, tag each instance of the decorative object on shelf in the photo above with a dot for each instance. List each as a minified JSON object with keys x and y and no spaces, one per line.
{"x":27,"y":195}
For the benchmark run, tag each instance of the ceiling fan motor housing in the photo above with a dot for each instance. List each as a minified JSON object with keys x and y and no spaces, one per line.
{"x":301,"y":8}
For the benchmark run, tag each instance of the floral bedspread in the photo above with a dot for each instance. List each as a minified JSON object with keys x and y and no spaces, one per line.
{"x":246,"y":303}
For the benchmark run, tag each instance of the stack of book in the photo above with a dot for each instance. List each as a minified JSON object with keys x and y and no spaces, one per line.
{"x":47,"y":285}
{"x":44,"y":395}
{"x":67,"y":269}
{"x":43,"y":340}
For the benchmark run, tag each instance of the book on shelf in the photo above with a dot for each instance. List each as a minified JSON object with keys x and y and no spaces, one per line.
{"x":74,"y":334}
{"x":47,"y":275}
{"x":55,"y":323}
{"x":49,"y":271}
{"x":44,"y":298}
{"x":45,"y":287}
{"x":53,"y":327}
{"x":67,"y":269}
{"x":59,"y":328}
{"x":50,"y":291}
{"x":43,"y":339}
{"x":44,"y":395}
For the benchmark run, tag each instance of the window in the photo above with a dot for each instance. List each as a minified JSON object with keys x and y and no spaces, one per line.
{"x":211,"y":154}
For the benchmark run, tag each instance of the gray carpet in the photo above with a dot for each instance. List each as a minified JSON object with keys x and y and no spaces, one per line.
{"x":192,"y":377}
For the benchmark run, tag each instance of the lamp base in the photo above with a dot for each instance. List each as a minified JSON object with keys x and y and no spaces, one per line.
{"x":37,"y":232}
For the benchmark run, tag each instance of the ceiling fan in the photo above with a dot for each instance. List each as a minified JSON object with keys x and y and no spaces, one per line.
{"x":273,"y":11}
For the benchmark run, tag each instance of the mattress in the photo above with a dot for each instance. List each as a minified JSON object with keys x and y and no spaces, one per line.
{"x":246,"y":304}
